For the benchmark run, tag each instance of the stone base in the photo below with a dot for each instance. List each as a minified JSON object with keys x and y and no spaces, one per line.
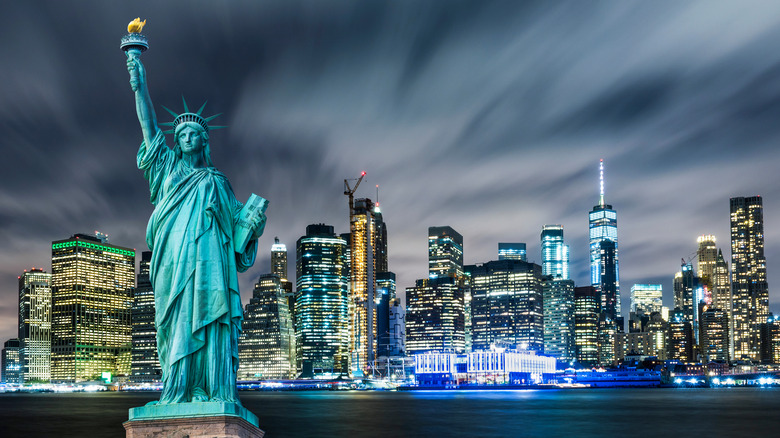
{"x":195,"y":427}
{"x":193,"y":420}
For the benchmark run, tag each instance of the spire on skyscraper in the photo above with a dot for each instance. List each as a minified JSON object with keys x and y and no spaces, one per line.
{"x":601,"y":182}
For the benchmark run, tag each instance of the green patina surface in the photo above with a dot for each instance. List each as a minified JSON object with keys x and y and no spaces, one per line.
{"x":194,"y":263}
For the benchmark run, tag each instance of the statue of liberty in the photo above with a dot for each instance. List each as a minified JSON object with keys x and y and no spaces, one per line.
{"x":200,"y":235}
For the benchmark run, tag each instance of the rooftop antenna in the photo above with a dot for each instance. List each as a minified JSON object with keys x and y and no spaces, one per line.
{"x":601,"y":182}
{"x":377,"y":195}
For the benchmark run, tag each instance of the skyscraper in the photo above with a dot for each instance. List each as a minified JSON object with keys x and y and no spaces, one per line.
{"x":586,"y":325}
{"x":604,"y":270}
{"x":714,"y":276}
{"x":681,"y":339}
{"x":35,"y":325}
{"x":770,"y":340}
{"x":92,"y":283}
{"x":714,"y":335}
{"x":397,"y":329}
{"x":435,"y":319}
{"x":385,"y":296}
{"x":646,"y":298}
{"x":266,"y":346}
{"x":658,"y":328}
{"x":368,"y":253}
{"x":685,"y":284}
{"x":506,"y":305}
{"x":380,"y":241}
{"x":559,"y":319}
{"x":322,"y":301}
{"x":512,"y":251}
{"x":706,"y":258}
{"x":721,"y":292}
{"x":279,"y":268}
{"x":445,"y":252}
{"x":435,"y":306}
{"x":11,"y":363}
{"x":145,"y":365}
{"x":279,"y":259}
{"x":555,"y":254}
{"x":749,"y":290}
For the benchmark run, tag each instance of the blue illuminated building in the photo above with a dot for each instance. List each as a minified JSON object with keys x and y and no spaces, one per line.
{"x":512,"y":251}
{"x":385,"y":295}
{"x":321,"y":302}
{"x":604,"y":270}
{"x":555,"y":254}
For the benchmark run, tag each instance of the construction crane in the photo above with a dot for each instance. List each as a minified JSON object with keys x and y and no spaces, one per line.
{"x":350,"y":191}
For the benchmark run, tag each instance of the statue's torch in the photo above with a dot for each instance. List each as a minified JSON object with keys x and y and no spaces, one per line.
{"x":134,"y":43}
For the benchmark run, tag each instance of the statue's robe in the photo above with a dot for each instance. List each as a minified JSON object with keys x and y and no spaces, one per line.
{"x":193,"y":272}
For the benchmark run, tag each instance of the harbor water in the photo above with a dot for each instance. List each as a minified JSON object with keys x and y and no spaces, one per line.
{"x":721,"y":412}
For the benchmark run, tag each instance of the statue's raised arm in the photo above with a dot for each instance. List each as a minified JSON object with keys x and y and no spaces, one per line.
{"x":143,"y":103}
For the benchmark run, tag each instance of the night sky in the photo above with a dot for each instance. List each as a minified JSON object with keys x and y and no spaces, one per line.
{"x":490,"y":117}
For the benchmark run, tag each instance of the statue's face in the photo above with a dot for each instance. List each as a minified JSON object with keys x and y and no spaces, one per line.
{"x":190,"y":141}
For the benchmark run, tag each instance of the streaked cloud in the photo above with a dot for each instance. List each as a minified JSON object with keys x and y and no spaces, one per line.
{"x":486,"y":116}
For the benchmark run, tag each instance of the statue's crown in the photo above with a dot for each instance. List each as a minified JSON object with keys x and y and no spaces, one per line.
{"x":188,"y":116}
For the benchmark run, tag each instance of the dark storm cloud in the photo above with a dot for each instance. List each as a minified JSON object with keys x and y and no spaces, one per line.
{"x":486,"y":116}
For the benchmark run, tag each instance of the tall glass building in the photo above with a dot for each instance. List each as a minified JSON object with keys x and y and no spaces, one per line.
{"x":715,"y":335}
{"x":604,"y":268}
{"x":92,"y":284}
{"x":586,"y":325}
{"x":555,"y":254}
{"x":559,"y":319}
{"x":714,"y":272}
{"x":35,"y":325}
{"x":322,"y":301}
{"x":445,"y":252}
{"x":435,"y":306}
{"x":385,"y":296}
{"x":368,"y":256}
{"x":435,"y":319}
{"x":721,"y":292}
{"x":685,"y":284}
{"x":749,"y":290}
{"x":279,"y":259}
{"x":279,"y":268}
{"x":706,"y":258}
{"x":145,"y":365}
{"x":506,"y":305}
{"x":647,"y":298}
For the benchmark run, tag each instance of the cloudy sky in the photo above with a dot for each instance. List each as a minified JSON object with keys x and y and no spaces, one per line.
{"x":490,"y":117}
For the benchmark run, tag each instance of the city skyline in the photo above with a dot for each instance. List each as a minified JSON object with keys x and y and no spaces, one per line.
{"x":488,"y":118}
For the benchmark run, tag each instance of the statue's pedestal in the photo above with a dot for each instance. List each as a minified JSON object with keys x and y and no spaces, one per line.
{"x":193,"y":420}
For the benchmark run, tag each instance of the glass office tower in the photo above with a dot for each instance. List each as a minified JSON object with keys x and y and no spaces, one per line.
{"x":92,"y":285}
{"x":749,"y":290}
{"x":604,"y":267}
{"x":322,"y":302}
{"x":555,"y":254}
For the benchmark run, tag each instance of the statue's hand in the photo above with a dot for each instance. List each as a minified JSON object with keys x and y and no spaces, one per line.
{"x":136,"y":70}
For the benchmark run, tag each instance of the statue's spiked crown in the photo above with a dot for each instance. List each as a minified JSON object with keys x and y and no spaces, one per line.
{"x":188,"y":116}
